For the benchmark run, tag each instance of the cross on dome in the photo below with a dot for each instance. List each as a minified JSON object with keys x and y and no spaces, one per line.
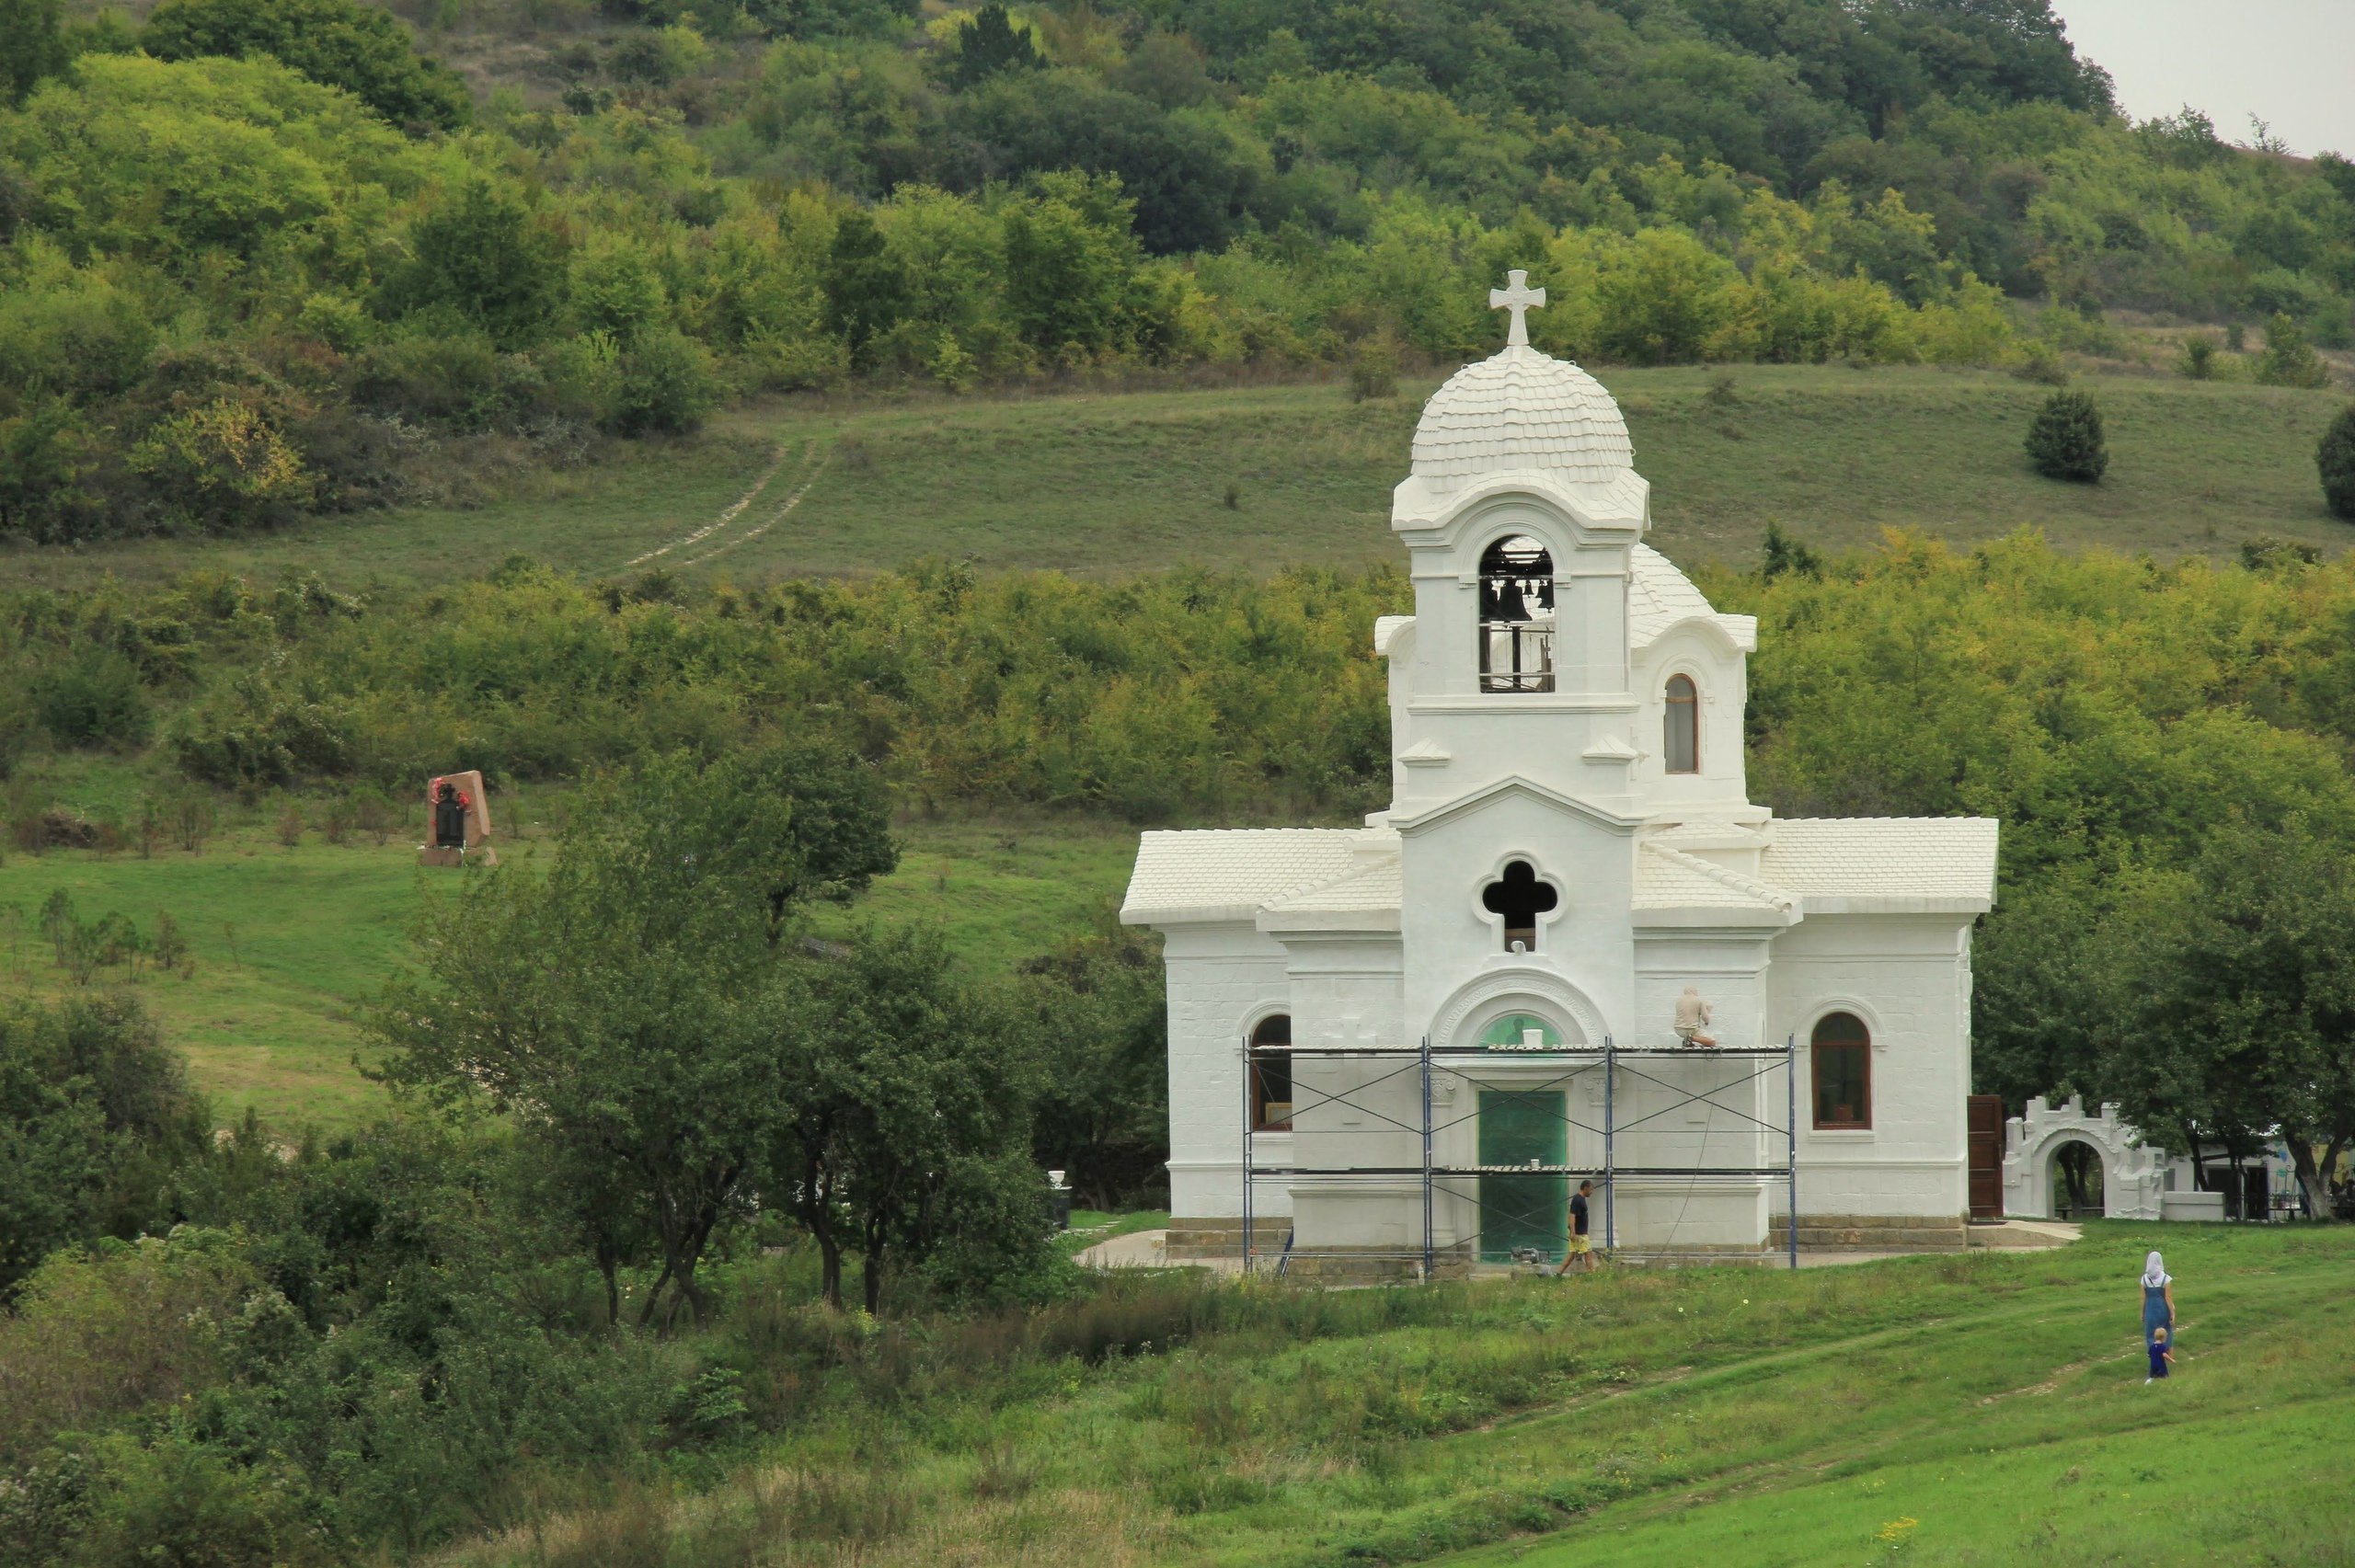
{"x":1520,"y":298}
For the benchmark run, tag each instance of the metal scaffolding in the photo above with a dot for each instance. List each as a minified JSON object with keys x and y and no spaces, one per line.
{"x":1460,"y":1062}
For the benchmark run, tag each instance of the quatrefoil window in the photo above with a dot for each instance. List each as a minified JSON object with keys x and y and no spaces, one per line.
{"x":1518,"y":898}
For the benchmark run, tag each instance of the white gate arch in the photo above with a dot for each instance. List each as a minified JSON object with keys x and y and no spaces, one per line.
{"x":2131,"y":1176}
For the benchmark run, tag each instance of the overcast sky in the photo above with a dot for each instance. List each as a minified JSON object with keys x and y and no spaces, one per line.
{"x":2291,"y":61}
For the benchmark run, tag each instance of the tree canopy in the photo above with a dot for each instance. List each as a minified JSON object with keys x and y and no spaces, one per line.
{"x":340,"y":43}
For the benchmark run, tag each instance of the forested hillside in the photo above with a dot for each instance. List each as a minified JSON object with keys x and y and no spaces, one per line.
{"x":257,"y":256}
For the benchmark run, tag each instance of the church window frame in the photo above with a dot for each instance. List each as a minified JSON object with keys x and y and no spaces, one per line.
{"x":1840,"y":1063}
{"x":1546,"y":909}
{"x":1681,"y":725}
{"x":1516,"y":646}
{"x":1271,"y":1072}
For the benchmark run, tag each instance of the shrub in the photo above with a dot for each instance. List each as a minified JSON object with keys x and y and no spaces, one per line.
{"x":92,"y":700}
{"x":2041,"y":362}
{"x":2200,"y":352}
{"x":667,"y":385}
{"x":2335,"y":459}
{"x":1374,"y":368}
{"x":225,"y":465}
{"x":2065,"y":442}
{"x":2290,"y":359}
{"x":261,"y":728}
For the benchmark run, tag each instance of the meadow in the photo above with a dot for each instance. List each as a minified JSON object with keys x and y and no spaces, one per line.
{"x":290,"y":942}
{"x":1980,"y":1409}
{"x":1258,"y":477}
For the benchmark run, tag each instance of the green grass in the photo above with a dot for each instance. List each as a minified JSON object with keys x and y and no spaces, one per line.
{"x":1113,"y":482}
{"x":289,"y":944}
{"x":1708,"y":1415}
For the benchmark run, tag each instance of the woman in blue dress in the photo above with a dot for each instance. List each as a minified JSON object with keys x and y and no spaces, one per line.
{"x":2158,"y":1297}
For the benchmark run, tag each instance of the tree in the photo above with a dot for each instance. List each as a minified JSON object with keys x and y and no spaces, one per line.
{"x":338,"y":43}
{"x":866,"y":292}
{"x":989,"y":44}
{"x":1099,"y":1010}
{"x":2235,"y":995}
{"x":2336,"y":461}
{"x":33,"y":46}
{"x":622,"y":1010}
{"x":2065,"y":442}
{"x":907,"y":1096}
{"x":93,"y":1108}
{"x":1069,"y":259}
{"x":484,"y":255}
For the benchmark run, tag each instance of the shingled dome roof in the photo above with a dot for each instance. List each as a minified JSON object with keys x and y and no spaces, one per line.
{"x":1522,"y":409}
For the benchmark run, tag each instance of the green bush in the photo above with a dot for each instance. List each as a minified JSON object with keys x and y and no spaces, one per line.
{"x":2200,"y":352}
{"x":2290,"y":359}
{"x":338,"y":42}
{"x":1374,"y":368}
{"x":2066,"y":441}
{"x":265,"y":728}
{"x":2336,"y":460}
{"x":667,"y":385}
{"x":93,"y":699}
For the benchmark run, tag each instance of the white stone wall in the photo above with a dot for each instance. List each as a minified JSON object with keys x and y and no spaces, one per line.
{"x":1908,"y":977}
{"x":1224,"y":978}
{"x":1585,"y":947}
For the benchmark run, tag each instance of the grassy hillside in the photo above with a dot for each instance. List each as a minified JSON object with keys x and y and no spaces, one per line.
{"x":1981,"y":1409}
{"x":1104,"y":483}
{"x":289,"y":944}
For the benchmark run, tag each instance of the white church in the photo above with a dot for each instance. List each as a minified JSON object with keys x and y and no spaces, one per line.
{"x":1570,"y":860}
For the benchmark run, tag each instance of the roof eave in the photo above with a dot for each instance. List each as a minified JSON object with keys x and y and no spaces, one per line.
{"x":1894,"y":904}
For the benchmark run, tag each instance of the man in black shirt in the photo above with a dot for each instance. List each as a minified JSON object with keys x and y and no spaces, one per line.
{"x":1582,"y":1246}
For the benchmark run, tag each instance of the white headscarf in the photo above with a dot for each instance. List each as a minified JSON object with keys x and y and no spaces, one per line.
{"x":2154,"y":1273}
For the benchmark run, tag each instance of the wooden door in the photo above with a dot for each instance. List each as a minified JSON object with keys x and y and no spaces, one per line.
{"x":1986,"y":1120}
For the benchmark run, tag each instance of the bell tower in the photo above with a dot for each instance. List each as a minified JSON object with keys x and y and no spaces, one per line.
{"x":1519,"y":518}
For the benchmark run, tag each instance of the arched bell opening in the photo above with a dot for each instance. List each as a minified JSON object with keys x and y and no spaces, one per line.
{"x":1517,"y":616}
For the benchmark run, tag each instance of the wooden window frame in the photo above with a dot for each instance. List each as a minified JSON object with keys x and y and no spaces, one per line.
{"x":1691,"y":704}
{"x":1816,"y":1048}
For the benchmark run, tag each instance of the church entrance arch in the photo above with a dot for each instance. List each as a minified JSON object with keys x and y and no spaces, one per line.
{"x":2074,"y":1182}
{"x":2065,"y":1162}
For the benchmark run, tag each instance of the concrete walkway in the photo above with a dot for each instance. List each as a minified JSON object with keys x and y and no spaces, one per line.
{"x":2026,"y":1233}
{"x":1148,"y":1249}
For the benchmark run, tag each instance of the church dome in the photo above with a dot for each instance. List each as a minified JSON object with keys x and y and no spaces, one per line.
{"x":1522,"y":409}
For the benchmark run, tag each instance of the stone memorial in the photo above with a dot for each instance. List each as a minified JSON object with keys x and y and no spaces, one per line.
{"x":457,"y":822}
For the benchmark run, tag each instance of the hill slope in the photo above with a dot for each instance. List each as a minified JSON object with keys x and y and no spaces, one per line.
{"x":1104,"y":483}
{"x":1994,"y":1401}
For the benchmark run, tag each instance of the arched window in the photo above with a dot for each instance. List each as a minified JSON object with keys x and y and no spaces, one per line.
{"x":1682,"y":743}
{"x":1842,"y":1053}
{"x":1272,"y":1075}
{"x":1517,"y":616}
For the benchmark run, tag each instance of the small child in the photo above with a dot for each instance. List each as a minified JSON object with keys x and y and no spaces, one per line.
{"x":2161,"y":1357}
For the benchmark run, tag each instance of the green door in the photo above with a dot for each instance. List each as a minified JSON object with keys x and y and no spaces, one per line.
{"x":1532,"y":1210}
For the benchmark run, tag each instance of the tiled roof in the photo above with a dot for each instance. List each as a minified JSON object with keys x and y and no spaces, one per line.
{"x":1950,"y":859}
{"x":1522,"y":409}
{"x":1231,"y":874}
{"x":1659,"y":596}
{"x":1669,"y":879}
{"x":1378,"y":886}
